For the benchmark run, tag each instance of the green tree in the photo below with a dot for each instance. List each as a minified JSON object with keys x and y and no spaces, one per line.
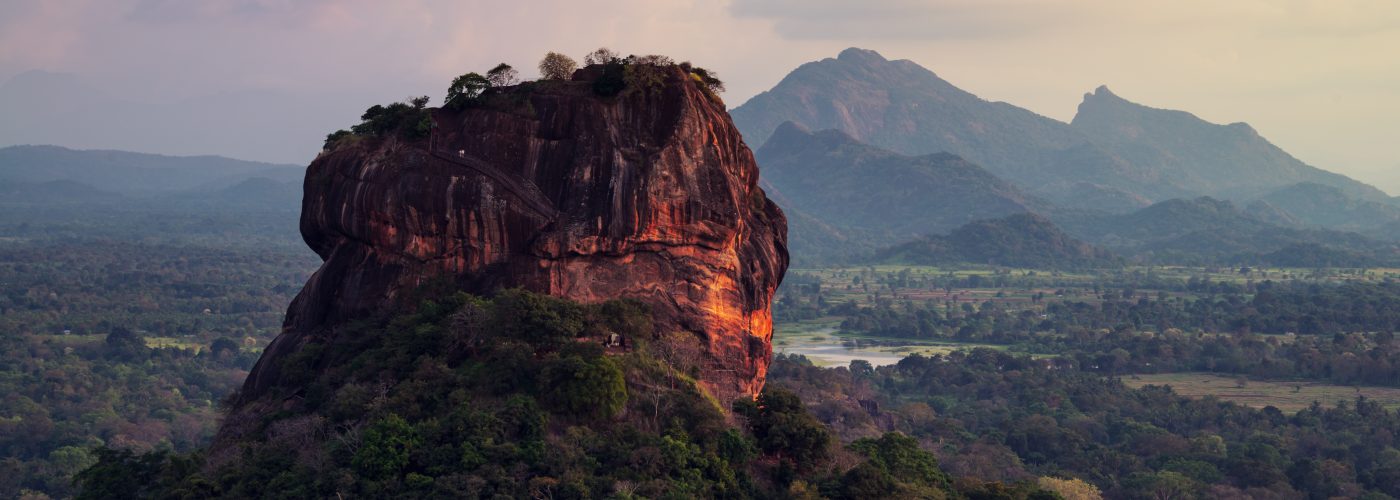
{"x":223,"y":345}
{"x":123,"y":344}
{"x":591,"y":387}
{"x":784,"y":428}
{"x":861,"y":368}
{"x":386,"y":447}
{"x":1164,"y":485}
{"x":120,"y":474}
{"x":334,"y":138}
{"x":901,"y":455}
{"x":1070,"y":489}
{"x":466,"y":88}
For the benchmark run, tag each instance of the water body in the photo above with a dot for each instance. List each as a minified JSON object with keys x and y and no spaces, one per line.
{"x":835,"y":354}
{"x":825,"y":347}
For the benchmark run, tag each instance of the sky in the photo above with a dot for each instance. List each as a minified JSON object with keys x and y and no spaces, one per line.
{"x":267,"y":79}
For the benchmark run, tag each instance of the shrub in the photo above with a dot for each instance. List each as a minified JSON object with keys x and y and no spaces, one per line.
{"x":407,"y":119}
{"x":706,"y":78}
{"x":586,"y":387}
{"x":333,"y":139}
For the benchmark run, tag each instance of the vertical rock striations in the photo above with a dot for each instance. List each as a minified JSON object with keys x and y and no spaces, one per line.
{"x":650,"y":194}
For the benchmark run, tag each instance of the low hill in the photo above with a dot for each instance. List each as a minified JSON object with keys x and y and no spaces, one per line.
{"x":1021,"y":240}
{"x":1331,"y":207}
{"x":1225,"y":161}
{"x":843,"y":196}
{"x":1210,"y":231}
{"x":260,"y":191}
{"x":58,"y":191}
{"x":133,"y":173}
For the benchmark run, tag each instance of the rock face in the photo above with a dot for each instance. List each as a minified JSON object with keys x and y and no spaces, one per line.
{"x":550,"y":187}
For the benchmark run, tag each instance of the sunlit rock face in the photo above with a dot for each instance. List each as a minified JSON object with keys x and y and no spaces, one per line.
{"x":555,"y":189}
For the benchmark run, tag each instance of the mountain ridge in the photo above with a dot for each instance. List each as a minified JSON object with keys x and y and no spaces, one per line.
{"x":845,"y":197}
{"x":1121,"y":146}
{"x":1019,"y":240}
{"x":129,"y":172}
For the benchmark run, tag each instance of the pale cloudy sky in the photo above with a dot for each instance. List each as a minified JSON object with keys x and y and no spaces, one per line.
{"x":1321,"y":78}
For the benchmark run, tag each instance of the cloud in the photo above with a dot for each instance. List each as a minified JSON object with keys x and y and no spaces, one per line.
{"x":904,"y":19}
{"x":1317,"y":76}
{"x":316,"y":55}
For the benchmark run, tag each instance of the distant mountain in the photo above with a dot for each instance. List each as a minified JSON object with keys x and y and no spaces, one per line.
{"x":62,"y":191}
{"x":1267,"y":212}
{"x":844,"y":196}
{"x":41,"y":107}
{"x":1210,"y":231}
{"x":1119,"y":152}
{"x":902,"y":107}
{"x":1327,"y":206}
{"x":1096,"y":196}
{"x":257,"y":192}
{"x":1021,"y":240}
{"x":1165,"y":220}
{"x":134,"y":173}
{"x":1231,"y":161}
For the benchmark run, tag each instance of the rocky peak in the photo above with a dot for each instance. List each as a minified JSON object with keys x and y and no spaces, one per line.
{"x":649,"y":194}
{"x":791,"y":137}
{"x":1102,"y":95}
{"x":1102,"y":103}
{"x":861,"y":56}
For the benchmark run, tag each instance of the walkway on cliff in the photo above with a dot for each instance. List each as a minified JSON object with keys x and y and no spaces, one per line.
{"x":527,"y":192}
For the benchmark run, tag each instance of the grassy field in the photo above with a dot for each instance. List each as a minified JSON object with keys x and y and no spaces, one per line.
{"x":1287,"y":396}
{"x":175,"y":342}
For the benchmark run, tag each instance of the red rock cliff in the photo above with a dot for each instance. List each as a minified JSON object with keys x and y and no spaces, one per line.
{"x":647,"y":195}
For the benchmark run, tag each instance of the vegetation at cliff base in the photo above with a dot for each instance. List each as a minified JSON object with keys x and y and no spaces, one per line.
{"x":515,"y":396}
{"x":994,"y":416}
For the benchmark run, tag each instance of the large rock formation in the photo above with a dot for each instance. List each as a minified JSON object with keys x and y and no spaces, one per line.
{"x":650,"y":194}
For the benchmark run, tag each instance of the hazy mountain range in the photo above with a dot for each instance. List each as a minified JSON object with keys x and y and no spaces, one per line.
{"x":1021,"y":240}
{"x":42,"y":107}
{"x":844,"y":196}
{"x":1112,"y":150}
{"x":38,"y":174}
{"x":879,"y":159}
{"x":898,"y":151}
